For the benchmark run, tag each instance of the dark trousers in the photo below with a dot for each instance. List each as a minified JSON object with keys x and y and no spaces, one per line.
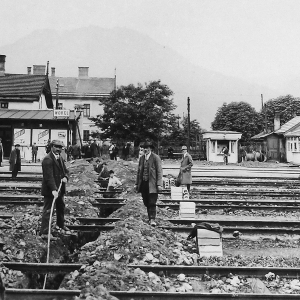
{"x":60,"y":213}
{"x":15,"y":170}
{"x":34,"y":157}
{"x":188,"y":186}
{"x":149,"y":200}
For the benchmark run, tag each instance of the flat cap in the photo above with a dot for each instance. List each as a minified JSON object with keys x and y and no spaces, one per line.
{"x":58,"y":143}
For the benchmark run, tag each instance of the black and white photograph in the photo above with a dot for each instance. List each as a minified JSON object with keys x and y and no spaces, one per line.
{"x":149,"y":149}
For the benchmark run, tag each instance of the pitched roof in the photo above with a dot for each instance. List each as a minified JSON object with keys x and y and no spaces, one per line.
{"x":82,"y":86}
{"x":261,"y":135}
{"x":288,"y":125}
{"x":221,"y":131}
{"x":31,"y":114}
{"x":19,"y":87}
{"x":293,"y":133}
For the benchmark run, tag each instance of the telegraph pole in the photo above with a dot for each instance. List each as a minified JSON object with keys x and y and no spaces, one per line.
{"x":57,"y":82}
{"x":264,"y":108}
{"x":189,"y":124}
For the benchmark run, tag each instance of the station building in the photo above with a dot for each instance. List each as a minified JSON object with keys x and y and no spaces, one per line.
{"x":28,"y":104}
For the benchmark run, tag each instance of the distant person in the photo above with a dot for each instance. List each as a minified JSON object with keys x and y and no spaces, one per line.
{"x":149,"y":180}
{"x":68,"y":151}
{"x":141,"y":151}
{"x":170,"y":152}
{"x":95,"y":149}
{"x":34,"y":151}
{"x":104,"y":175}
{"x":186,"y":168}
{"x":116,"y":152}
{"x":111,"y":151}
{"x":88,"y":150}
{"x":75,"y":151}
{"x":113,"y":182}
{"x":15,"y":161}
{"x":48,"y":146}
{"x":1,"y":152}
{"x":225,"y":152}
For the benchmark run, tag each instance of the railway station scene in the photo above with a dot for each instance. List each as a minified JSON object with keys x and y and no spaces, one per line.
{"x":149,"y":150}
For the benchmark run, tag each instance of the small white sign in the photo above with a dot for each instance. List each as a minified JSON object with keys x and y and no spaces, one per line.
{"x":61,"y":113}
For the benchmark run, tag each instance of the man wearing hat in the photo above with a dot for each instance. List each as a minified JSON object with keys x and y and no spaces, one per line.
{"x":55,"y":174}
{"x":186,"y":168}
{"x":149,"y":180}
{"x":15,"y":161}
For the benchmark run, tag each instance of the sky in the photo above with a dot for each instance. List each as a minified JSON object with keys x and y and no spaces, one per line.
{"x":258,"y":41}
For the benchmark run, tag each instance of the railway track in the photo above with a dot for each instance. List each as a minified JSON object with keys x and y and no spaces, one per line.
{"x":246,"y":182}
{"x":240,"y":193}
{"x":217,"y":204}
{"x":196,"y":296}
{"x":213,"y":271}
{"x":254,"y":226}
{"x":38,"y":294}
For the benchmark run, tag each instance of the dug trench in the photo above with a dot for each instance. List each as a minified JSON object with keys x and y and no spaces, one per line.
{"x":105,"y":257}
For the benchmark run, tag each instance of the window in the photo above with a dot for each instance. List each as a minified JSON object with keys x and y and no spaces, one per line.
{"x":213,"y":146}
{"x":232,"y":146}
{"x":86,"y":110}
{"x":86,"y":135}
{"x":4,"y":104}
{"x":60,"y":106}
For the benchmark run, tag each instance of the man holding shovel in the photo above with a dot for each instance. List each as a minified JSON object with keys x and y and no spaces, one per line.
{"x":55,"y":176}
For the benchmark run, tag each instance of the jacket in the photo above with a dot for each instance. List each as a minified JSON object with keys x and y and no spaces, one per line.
{"x":13,"y":160}
{"x":53,"y":173}
{"x":186,"y":169}
{"x":155,"y":173}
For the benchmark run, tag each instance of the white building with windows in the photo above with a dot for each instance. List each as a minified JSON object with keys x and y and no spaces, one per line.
{"x":217,"y":140}
{"x":82,"y":92}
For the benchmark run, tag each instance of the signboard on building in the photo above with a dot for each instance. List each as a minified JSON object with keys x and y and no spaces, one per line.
{"x":40,"y":136}
{"x":21,"y":136}
{"x":65,"y":113}
{"x":60,"y":134}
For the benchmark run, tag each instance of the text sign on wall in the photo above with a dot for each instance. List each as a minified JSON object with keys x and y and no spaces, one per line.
{"x":61,"y":113}
{"x":22,"y":136}
{"x":40,"y":136}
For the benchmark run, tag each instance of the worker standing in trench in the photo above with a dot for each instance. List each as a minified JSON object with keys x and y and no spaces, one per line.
{"x":54,"y":174}
{"x":149,"y":180}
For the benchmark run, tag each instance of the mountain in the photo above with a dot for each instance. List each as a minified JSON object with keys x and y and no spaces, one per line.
{"x":137,"y":58}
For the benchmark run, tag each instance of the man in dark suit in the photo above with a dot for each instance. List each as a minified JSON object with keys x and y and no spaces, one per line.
{"x":149,"y":180}
{"x":15,"y":161}
{"x":55,"y":174}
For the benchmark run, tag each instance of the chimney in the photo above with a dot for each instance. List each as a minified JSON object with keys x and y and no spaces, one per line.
{"x":29,"y":70}
{"x":276,"y":121}
{"x":2,"y":65}
{"x":39,"y":69}
{"x":83,"y":72}
{"x":53,"y":71}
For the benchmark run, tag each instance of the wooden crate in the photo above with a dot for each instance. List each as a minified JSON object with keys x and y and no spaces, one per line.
{"x":176,"y":193}
{"x":187,"y":210}
{"x":209,"y":243}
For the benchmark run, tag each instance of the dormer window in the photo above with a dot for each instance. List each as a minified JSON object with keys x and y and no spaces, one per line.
{"x":4,"y":104}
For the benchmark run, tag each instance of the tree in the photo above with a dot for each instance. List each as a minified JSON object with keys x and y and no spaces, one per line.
{"x":178,"y":135}
{"x":286,"y":106}
{"x":238,"y":116}
{"x":137,"y":112}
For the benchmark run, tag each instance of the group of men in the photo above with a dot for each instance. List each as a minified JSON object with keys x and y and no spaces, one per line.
{"x":149,"y":181}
